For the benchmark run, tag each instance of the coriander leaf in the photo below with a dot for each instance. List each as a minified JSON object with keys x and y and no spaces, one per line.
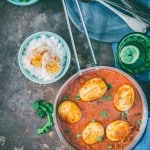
{"x":105,"y":98}
{"x":109,"y":86}
{"x":42,"y":114}
{"x":139,"y":122}
{"x":40,"y":130}
{"x":44,"y":109}
{"x":36,"y":105}
{"x":104,"y":114}
{"x":49,"y":107}
{"x":78,"y":135}
{"x":47,"y":129}
{"x":67,"y":97}
{"x":51,"y":120}
{"x":77,"y":97}
{"x":100,"y":139}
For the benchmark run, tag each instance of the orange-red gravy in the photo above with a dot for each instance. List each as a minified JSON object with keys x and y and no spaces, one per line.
{"x":92,"y":110}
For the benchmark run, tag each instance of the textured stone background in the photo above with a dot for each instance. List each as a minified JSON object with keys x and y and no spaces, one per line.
{"x":18,"y":121}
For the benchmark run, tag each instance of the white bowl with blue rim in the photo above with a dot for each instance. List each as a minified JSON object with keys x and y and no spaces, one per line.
{"x":23,"y":2}
{"x":65,"y":62}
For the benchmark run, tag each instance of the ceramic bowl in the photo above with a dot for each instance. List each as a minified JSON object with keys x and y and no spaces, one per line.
{"x":23,"y":3}
{"x":65,"y":61}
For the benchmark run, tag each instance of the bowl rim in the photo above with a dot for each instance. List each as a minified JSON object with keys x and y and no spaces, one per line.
{"x":125,"y":66}
{"x":27,"y":41}
{"x":135,"y":83}
{"x":139,"y":34}
{"x":23,"y":3}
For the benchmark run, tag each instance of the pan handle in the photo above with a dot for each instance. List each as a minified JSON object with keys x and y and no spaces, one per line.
{"x":71,"y":35}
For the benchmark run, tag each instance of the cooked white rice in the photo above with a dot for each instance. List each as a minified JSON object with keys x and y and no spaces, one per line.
{"x":53,"y":44}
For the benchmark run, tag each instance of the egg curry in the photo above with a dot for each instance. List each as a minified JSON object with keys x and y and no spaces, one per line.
{"x":100,"y":110}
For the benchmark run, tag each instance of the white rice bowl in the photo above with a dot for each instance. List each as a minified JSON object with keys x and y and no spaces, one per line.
{"x":56,"y":45}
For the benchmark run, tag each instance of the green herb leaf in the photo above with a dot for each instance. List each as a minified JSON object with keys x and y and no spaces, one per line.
{"x":139,"y":122}
{"x":42,"y":114}
{"x":100,"y":139}
{"x":109,"y":146}
{"x":104,"y":114}
{"x":67,"y":97}
{"x":109,"y":86}
{"x":36,"y":105}
{"x":47,"y":129}
{"x":51,"y":120}
{"x":49,"y":107}
{"x":78,"y":135}
{"x":44,"y":109}
{"x":40,"y":130}
{"x":77,"y":97}
{"x":105,"y":98}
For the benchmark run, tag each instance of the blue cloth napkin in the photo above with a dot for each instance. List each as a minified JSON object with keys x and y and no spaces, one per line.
{"x":144,"y":143}
{"x":101,"y":23}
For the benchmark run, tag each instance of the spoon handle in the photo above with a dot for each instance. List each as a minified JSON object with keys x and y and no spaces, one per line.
{"x":131,"y":10}
{"x":135,"y":24}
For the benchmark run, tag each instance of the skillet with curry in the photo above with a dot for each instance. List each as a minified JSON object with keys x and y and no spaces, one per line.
{"x":100,"y":108}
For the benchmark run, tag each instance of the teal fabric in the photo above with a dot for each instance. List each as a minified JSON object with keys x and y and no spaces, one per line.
{"x":144,"y":143}
{"x":101,"y":23}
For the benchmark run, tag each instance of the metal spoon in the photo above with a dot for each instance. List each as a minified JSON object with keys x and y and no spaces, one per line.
{"x":138,"y":14}
{"x":136,"y":25}
{"x":142,"y":12}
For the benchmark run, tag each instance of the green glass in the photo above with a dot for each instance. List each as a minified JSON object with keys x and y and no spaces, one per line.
{"x":133,"y":53}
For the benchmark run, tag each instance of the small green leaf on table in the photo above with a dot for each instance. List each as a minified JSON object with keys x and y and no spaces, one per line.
{"x":44,"y":109}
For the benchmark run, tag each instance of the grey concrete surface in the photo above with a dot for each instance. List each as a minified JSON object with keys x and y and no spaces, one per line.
{"x":18,"y":121}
